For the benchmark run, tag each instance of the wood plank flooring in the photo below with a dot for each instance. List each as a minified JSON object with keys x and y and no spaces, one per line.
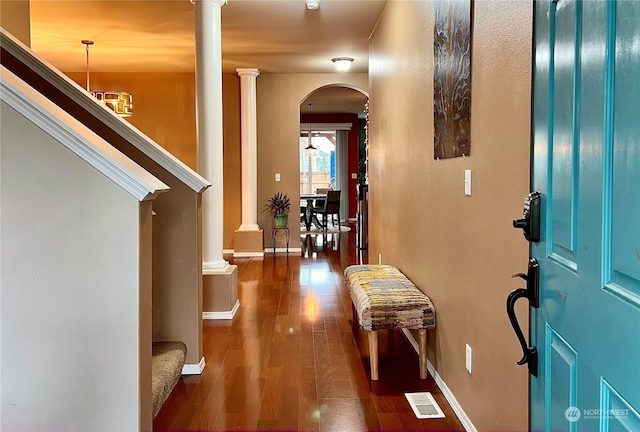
{"x":292,"y":360}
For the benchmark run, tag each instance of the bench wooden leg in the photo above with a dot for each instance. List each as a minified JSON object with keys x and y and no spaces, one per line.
{"x":373,"y":354}
{"x":422,"y":336}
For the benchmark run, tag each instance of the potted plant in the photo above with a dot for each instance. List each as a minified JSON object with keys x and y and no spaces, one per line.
{"x":279,"y":206}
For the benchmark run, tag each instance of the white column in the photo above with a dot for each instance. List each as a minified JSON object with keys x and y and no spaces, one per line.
{"x":249,"y":149}
{"x":209,"y":129}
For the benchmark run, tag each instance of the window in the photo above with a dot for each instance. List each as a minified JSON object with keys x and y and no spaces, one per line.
{"x":317,"y":167}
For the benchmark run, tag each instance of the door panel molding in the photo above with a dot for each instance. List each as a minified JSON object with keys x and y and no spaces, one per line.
{"x":621,"y":200}
{"x":561,"y":380}
{"x":615,"y":412}
{"x":563,"y":171}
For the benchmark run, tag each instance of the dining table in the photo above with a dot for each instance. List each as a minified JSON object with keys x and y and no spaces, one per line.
{"x":308,"y":214}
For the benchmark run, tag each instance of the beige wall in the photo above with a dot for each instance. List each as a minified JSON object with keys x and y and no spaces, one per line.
{"x":16,"y":19}
{"x":461,"y":250}
{"x":164,"y":109}
{"x":278,"y":105}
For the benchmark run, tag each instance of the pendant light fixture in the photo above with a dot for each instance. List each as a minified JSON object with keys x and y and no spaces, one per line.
{"x":310,"y":148}
{"x":119,"y":101}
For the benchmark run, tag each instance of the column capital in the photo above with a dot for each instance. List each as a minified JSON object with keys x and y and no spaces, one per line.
{"x":218,"y":2}
{"x":248,"y":72}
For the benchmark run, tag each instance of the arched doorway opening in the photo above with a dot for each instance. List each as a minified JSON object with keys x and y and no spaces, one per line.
{"x":332,"y":143}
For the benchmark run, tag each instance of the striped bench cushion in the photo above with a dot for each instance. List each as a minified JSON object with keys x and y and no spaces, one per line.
{"x":384,"y":298}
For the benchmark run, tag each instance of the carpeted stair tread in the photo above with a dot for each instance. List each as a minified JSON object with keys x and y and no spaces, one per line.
{"x":168,"y":360}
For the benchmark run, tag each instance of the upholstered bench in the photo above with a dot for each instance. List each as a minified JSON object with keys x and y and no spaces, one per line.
{"x":384,"y":298}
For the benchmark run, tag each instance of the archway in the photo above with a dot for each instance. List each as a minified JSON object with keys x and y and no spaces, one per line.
{"x":334,"y":117}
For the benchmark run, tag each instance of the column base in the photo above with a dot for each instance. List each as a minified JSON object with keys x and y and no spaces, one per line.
{"x":215,"y":267}
{"x":220,"y":294}
{"x":248,"y":243}
{"x":248,"y":227}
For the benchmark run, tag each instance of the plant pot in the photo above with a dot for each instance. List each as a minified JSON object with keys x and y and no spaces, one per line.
{"x":280,"y":221}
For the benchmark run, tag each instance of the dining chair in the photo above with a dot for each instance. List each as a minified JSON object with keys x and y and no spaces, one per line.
{"x":319,"y":203}
{"x":331,"y":208}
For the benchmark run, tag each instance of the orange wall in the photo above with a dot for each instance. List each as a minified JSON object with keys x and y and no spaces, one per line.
{"x":461,"y":250}
{"x":163,"y":106}
{"x":164,"y":110}
{"x":232,"y":158}
{"x":15,"y":18}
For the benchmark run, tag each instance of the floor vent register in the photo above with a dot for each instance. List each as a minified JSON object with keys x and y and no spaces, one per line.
{"x":424,"y":406}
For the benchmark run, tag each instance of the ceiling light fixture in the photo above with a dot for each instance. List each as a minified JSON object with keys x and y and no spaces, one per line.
{"x":312,"y":4}
{"x":310,"y":148}
{"x":119,"y":101}
{"x":342,"y":64}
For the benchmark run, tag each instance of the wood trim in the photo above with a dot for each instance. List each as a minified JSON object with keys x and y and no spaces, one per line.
{"x":422,"y":352}
{"x":373,"y":354}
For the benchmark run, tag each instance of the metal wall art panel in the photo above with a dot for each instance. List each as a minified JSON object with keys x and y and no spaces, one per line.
{"x":452,"y":78}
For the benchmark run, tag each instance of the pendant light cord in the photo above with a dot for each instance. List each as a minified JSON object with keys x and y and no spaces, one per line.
{"x":310,"y":144}
{"x":86,"y":44}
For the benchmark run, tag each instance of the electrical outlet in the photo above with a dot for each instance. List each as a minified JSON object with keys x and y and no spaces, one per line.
{"x":468,"y":358}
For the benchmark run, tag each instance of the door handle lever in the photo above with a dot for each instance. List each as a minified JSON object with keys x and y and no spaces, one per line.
{"x":529,"y":353}
{"x":531,"y":292}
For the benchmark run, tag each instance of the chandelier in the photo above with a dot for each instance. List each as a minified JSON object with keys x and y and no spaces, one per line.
{"x":119,"y":101}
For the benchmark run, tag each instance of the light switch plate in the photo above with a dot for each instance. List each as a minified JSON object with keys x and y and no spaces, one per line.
{"x":467,"y":182}
{"x":277,"y":176}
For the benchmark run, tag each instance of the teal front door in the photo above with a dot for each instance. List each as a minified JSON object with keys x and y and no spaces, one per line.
{"x":586,"y":165}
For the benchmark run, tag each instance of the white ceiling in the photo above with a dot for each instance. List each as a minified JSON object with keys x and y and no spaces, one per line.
{"x":159,"y":36}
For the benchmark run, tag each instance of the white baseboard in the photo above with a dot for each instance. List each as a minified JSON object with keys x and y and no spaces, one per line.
{"x":282,"y":250}
{"x":462,"y":416}
{"x":224,"y":315}
{"x":193,"y":369}
{"x":247,"y":254}
{"x":227,"y":251}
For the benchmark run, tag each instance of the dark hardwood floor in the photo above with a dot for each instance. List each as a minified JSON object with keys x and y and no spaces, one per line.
{"x":292,"y":360}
